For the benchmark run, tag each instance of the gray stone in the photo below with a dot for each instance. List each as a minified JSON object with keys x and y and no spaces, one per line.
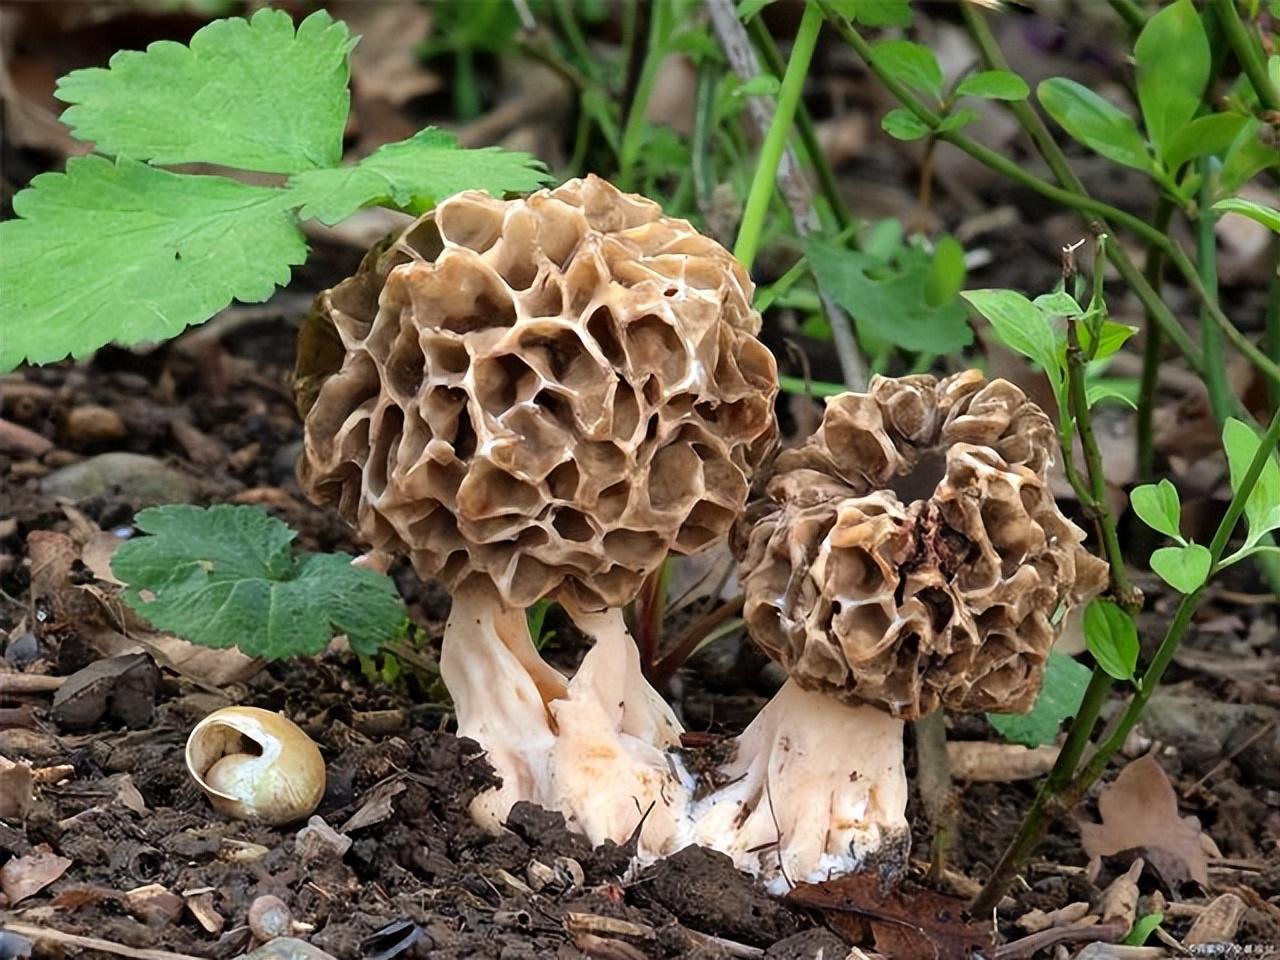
{"x":139,"y":480}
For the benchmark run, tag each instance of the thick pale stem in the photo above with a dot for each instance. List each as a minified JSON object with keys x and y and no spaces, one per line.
{"x":612,"y":768}
{"x":500,"y":688}
{"x":817,"y":789}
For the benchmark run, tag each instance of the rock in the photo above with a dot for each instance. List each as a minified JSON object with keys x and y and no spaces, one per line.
{"x":287,"y":948}
{"x":807,"y":946}
{"x":140,"y":480}
{"x":92,"y":424}
{"x":1204,"y":731}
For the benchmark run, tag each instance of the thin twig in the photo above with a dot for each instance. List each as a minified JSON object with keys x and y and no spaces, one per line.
{"x":49,"y":935}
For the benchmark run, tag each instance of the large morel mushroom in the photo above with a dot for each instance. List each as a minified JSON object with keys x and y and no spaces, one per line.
{"x":543,"y":398}
{"x":906,"y":557}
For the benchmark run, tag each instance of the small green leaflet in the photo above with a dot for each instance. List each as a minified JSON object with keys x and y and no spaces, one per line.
{"x":1184,"y":568}
{"x":1159,"y":507}
{"x":1172,"y":55}
{"x":1262,"y":509}
{"x":1095,"y":122}
{"x":129,"y":252}
{"x":957,"y":119}
{"x":946,"y":271}
{"x":227,"y":576}
{"x":875,"y":13}
{"x":1112,"y":638}
{"x":1210,"y":134}
{"x":412,"y":175}
{"x":1143,"y":927}
{"x":1064,"y":684}
{"x":911,"y":63}
{"x":251,"y":94}
{"x":1269,"y":217}
{"x":901,"y":124}
{"x":1022,"y":327}
{"x":994,"y":85}
{"x":893,"y":307}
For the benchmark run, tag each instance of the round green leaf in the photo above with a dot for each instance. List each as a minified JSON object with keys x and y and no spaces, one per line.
{"x":1158,"y":506}
{"x":902,"y":124}
{"x":994,"y":85}
{"x":1183,"y":568}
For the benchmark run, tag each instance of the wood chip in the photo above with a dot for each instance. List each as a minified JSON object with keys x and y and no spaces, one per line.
{"x":1217,"y":923}
{"x":981,"y":762}
{"x":201,"y":907}
{"x":608,"y":926}
{"x":29,"y":683}
{"x":16,"y":781}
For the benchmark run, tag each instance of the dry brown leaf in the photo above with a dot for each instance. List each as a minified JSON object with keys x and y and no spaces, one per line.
{"x":1140,"y":813}
{"x":907,"y":925}
{"x":23,"y":876}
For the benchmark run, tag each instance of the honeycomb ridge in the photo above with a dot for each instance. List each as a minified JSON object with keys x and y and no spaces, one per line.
{"x":867,"y":581}
{"x":549,"y":393}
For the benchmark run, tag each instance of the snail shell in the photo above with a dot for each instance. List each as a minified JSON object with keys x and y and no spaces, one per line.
{"x":256,"y":765}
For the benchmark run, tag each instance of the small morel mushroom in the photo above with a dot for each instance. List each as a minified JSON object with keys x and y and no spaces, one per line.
{"x":906,"y":557}
{"x":543,"y":398}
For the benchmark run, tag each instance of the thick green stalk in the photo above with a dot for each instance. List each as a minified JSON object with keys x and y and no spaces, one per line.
{"x":1215,"y":364}
{"x":1248,"y":55}
{"x":804,"y":125}
{"x":1131,"y":14}
{"x":775,"y":140}
{"x":1052,"y":801}
{"x":632,"y":134}
{"x":1083,"y":203}
{"x":1273,"y":319}
{"x":1151,"y":350}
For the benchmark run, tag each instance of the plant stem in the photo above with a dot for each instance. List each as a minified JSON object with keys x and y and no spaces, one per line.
{"x":1077,"y":199}
{"x":1215,"y":367}
{"x":632,"y":134}
{"x":937,"y":791}
{"x":1131,"y":14}
{"x":1247,"y":54}
{"x":804,"y":125}
{"x":1273,"y":319}
{"x":1151,"y":349}
{"x":683,"y":649}
{"x":1057,"y":795}
{"x":776,"y":139}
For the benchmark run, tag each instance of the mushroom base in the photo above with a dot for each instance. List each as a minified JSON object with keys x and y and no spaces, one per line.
{"x":594,"y":748}
{"x":817,"y":789}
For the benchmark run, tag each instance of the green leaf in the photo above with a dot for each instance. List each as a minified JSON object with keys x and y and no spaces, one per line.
{"x":1022,"y":327}
{"x":1172,"y":54}
{"x":957,"y":119}
{"x":1159,"y":507}
{"x":875,"y":13}
{"x":1112,"y":638}
{"x":1183,"y":568}
{"x":227,"y":576}
{"x":749,"y":8}
{"x":1064,"y":684}
{"x":801,"y":387}
{"x":412,"y":174}
{"x":1143,"y":927}
{"x":1250,"y":153}
{"x":1204,"y":136}
{"x":1096,"y":393}
{"x":251,"y":94}
{"x":1269,"y":217}
{"x":1262,"y":509}
{"x":910,"y":63}
{"x":1059,"y":303}
{"x":1095,"y":122}
{"x":893,"y":307}
{"x":901,"y":124}
{"x":883,"y":241}
{"x":129,"y":252}
{"x":761,"y":85}
{"x":946,"y":272}
{"x":994,"y":85}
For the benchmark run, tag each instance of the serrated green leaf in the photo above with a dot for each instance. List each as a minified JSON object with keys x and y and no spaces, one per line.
{"x":252,"y":94}
{"x":894,"y":307}
{"x":1172,"y":54}
{"x":1098,"y":124}
{"x":994,"y":85}
{"x":957,"y":119}
{"x":1064,"y":685}
{"x":1209,"y":135}
{"x":413,"y":174}
{"x":1269,"y":217}
{"x":227,"y":576}
{"x":1022,"y":327}
{"x":1183,"y":568}
{"x":946,"y":272}
{"x":1112,"y":638}
{"x":1159,"y":507}
{"x":910,"y":63}
{"x":901,"y":124}
{"x":875,"y":13}
{"x":127,"y":252}
{"x":1262,"y":509}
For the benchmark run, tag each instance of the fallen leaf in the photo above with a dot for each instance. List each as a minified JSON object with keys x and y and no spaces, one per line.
{"x":1140,"y":813}
{"x":907,"y":925}
{"x":23,"y":876}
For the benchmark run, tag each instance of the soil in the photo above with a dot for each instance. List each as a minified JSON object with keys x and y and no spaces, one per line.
{"x":212,"y":412}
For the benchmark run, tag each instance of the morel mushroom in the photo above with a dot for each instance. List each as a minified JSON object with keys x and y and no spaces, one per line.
{"x":543,"y":398}
{"x":908,"y":556}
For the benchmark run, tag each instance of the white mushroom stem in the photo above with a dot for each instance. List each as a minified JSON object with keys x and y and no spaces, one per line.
{"x":613,"y":769}
{"x":500,"y":687}
{"x":816,"y":789}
